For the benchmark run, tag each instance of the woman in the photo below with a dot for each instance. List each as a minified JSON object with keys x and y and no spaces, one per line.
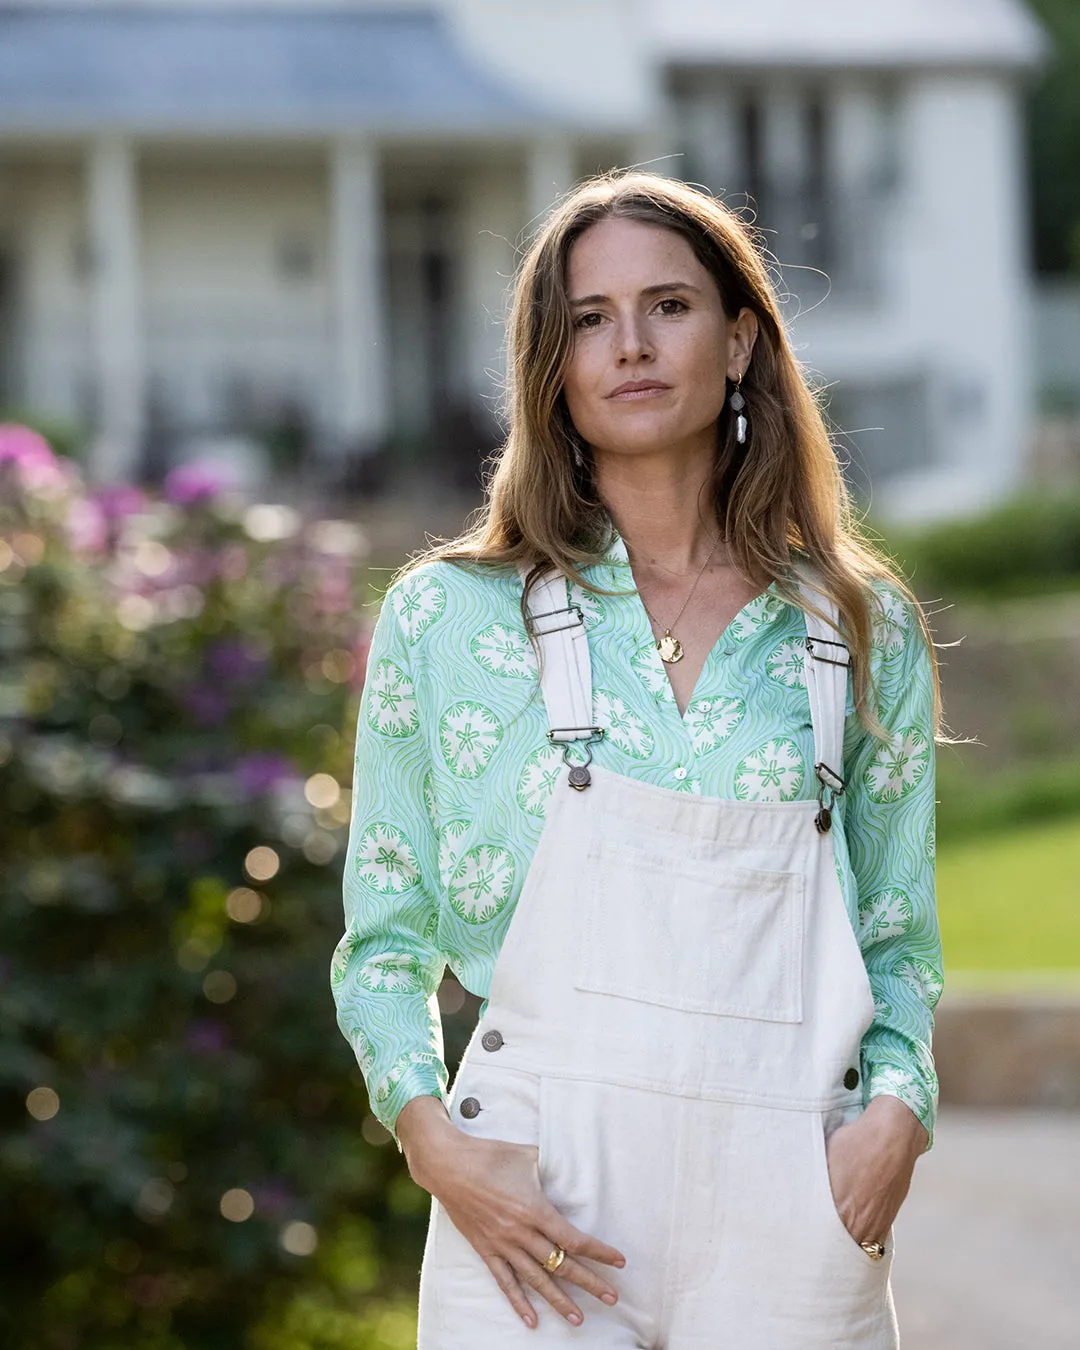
{"x":647,"y":758}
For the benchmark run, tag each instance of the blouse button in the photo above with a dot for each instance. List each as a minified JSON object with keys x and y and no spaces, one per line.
{"x":705,"y":705}
{"x":680,"y":773}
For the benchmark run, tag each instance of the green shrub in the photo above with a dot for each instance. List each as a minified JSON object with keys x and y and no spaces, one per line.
{"x":181,"y":1143}
{"x":1027,"y":546}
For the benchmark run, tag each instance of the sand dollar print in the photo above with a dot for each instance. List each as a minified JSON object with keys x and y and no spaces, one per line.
{"x":930,"y":842}
{"x":625,"y":729}
{"x":449,"y":848}
{"x":772,"y":774}
{"x":385,"y":860}
{"x":504,"y":651}
{"x":753,"y":617}
{"x":645,"y":663}
{"x":481,"y":883}
{"x":391,"y":701}
{"x":343,"y":954}
{"x":712,"y":720}
{"x":591,"y":606}
{"x":924,"y":980}
{"x":469,"y":735}
{"x":386,"y":1085}
{"x":538,"y":779}
{"x":887,"y":914}
{"x":418,"y":601}
{"x":892,"y":623}
{"x":898,"y":1082}
{"x":362,"y":1049}
{"x":391,"y":973}
{"x":899,"y":766}
{"x":786,"y":664}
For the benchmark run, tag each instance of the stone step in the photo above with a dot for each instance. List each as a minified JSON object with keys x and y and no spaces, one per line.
{"x":1010,"y":1044}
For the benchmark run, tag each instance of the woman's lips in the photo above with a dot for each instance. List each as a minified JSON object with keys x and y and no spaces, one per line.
{"x":642,"y":392}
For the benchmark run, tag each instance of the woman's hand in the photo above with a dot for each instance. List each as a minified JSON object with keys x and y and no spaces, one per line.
{"x":870,"y":1161}
{"x":491,"y":1191}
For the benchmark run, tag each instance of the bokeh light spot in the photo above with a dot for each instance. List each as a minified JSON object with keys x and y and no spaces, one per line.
{"x":219,"y":986}
{"x":135,"y":612}
{"x":322,"y":790}
{"x":243,"y":905}
{"x":338,"y":666}
{"x":374,"y":1131}
{"x":262,"y":863}
{"x":237,"y":1205}
{"x":42,"y":1103}
{"x":299,"y":1239}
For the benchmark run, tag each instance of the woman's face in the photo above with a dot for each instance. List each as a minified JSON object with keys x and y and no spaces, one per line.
{"x":651,"y":341}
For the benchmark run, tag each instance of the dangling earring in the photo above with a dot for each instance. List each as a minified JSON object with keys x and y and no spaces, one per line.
{"x":575,"y":447}
{"x":737,"y":404}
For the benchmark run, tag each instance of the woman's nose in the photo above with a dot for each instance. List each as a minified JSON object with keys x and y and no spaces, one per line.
{"x":632,"y":341}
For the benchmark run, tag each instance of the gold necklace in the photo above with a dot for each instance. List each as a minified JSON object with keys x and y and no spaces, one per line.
{"x":669,"y":646}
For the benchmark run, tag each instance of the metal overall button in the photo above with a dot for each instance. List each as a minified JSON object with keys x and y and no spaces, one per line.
{"x":469,"y":1108}
{"x":851,"y":1079}
{"x":492,"y":1040}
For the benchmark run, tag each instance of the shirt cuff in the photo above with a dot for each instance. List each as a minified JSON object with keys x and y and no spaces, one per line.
{"x":418,"y":1074}
{"x":918,"y":1093}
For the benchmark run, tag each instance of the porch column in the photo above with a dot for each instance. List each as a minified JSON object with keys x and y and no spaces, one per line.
{"x":359,"y":289}
{"x":550,"y":170}
{"x":112,"y":197}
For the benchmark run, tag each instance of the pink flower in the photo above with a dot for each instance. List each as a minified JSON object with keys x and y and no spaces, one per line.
{"x":36,"y":467}
{"x":119,"y":500}
{"x":197,"y":481}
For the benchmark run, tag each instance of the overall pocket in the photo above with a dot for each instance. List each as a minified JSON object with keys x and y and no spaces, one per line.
{"x":821,"y":1126}
{"x":692,"y":934}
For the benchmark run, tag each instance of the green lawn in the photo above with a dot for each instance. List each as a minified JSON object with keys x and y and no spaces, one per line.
{"x":1011,"y":901}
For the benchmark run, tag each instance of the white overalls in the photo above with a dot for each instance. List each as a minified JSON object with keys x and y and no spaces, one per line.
{"x":674,"y":1021}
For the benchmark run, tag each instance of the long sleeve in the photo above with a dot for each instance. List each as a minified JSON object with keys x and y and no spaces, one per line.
{"x":889,"y":826}
{"x":387,"y":967}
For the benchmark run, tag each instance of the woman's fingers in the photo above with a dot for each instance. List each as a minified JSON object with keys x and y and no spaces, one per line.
{"x":556,"y":1231}
{"x":534,"y":1274}
{"x":508,"y":1282}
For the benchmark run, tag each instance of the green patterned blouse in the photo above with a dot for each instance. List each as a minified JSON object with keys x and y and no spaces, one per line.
{"x":453,"y":775}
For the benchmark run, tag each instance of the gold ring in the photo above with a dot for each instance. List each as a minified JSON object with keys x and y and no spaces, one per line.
{"x":874,"y":1250}
{"x":555,"y":1260}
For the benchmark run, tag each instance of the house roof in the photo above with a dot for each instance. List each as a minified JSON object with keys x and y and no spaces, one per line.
{"x":227,"y":69}
{"x":903,"y":33}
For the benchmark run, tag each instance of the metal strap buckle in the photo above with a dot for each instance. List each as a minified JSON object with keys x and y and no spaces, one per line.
{"x":828,"y":660}
{"x":830,"y":786}
{"x":533,"y":619}
{"x":579,"y":776}
{"x":590,"y":734}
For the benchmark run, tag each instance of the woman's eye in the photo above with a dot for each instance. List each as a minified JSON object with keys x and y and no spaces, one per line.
{"x":665,"y":305}
{"x":586,"y":320}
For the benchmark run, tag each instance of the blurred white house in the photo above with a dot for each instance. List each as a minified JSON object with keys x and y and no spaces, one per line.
{"x":209,"y":211}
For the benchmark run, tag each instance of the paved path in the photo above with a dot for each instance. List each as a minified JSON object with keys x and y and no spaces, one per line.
{"x":987,"y":1251}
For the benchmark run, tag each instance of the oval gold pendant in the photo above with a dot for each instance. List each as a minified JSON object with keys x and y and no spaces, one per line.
{"x":670,"y":649}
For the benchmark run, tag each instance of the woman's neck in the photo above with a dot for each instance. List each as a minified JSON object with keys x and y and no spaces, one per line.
{"x":663,"y":510}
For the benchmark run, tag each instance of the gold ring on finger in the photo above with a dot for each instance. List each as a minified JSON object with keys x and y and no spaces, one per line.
{"x":555,"y":1260}
{"x":874,"y":1250}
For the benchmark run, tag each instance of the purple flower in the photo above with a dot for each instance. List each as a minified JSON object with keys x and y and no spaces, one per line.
{"x":119,"y":500}
{"x":197,"y":481}
{"x":207,"y":706}
{"x":87,"y":526}
{"x":233,"y":661}
{"x":261,"y":771}
{"x":206,"y":1037}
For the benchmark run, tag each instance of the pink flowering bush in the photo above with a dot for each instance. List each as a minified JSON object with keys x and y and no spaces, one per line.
{"x":180,"y":1130}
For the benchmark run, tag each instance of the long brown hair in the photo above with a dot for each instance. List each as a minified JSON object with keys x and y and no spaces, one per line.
{"x":781,"y":498}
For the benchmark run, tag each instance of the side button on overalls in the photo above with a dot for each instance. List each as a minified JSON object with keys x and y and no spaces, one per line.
{"x":674,"y":1023}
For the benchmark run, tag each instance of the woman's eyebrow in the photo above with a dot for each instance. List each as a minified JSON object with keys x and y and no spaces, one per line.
{"x":662,"y":287}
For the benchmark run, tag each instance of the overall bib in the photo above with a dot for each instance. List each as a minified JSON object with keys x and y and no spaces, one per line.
{"x":674,"y":1022}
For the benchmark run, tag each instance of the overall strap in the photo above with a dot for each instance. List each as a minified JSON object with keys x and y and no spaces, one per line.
{"x":827,"y":666}
{"x":565,"y":670}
